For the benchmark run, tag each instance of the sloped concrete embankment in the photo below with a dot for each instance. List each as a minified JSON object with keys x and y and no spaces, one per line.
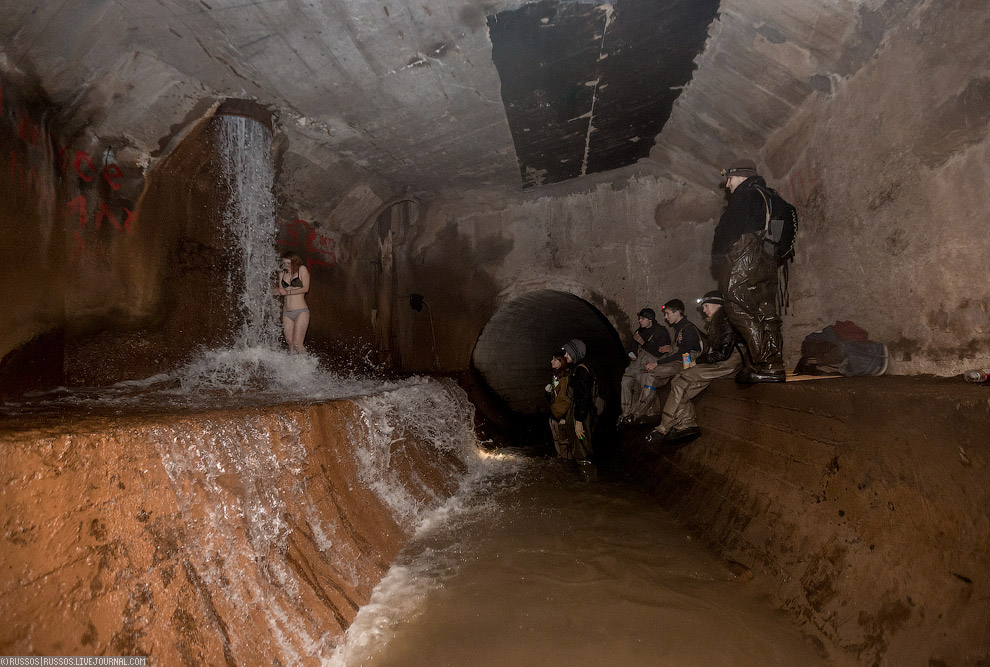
{"x":861,"y":502}
{"x":241,"y":537}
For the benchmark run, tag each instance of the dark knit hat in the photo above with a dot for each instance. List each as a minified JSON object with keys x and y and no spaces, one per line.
{"x":576,"y":348}
{"x":744,"y":168}
{"x":712,"y":297}
{"x":674,"y":304}
{"x":648,"y":314}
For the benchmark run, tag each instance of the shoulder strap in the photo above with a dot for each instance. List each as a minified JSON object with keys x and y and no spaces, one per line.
{"x":766,"y":203}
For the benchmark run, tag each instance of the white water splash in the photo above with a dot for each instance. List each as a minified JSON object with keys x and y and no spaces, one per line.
{"x":249,"y":221}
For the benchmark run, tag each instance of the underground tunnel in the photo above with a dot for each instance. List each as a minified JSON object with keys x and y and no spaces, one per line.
{"x":513,"y":351}
{"x":177,"y":485}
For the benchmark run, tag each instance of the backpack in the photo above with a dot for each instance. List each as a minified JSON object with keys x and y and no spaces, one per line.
{"x":596,"y":399}
{"x":781,"y":226}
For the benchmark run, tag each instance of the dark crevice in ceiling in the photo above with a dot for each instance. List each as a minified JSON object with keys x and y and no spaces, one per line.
{"x":587,"y":88}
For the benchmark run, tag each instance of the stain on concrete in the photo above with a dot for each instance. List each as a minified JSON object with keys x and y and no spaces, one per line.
{"x":572,"y":79}
{"x":771,"y":34}
{"x":878,"y":628}
{"x":959,"y":122}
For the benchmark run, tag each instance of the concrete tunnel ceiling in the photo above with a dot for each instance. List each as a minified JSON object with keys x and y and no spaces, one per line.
{"x":513,"y":351}
{"x":427,"y":97}
{"x":587,"y":87}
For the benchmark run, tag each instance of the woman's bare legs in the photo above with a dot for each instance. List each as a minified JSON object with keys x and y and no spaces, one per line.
{"x":288,"y":327}
{"x":298,"y":333}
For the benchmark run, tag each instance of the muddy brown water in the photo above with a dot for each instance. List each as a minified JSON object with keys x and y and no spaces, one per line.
{"x":552,"y":571}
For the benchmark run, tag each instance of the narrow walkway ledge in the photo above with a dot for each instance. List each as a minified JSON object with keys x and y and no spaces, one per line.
{"x":861,"y":502}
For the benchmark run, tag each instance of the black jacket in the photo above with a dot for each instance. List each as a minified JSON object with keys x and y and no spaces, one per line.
{"x":746,"y":213}
{"x":722,"y":339}
{"x":653,"y":338}
{"x":687,"y":338}
{"x":582,"y":388}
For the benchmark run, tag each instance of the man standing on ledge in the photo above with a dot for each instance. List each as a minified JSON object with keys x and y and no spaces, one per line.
{"x":747,"y":274}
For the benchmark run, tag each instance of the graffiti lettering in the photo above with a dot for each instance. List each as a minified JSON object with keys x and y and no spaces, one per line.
{"x":27,"y":130}
{"x":28,"y":176}
{"x":86,"y":212}
{"x":798,"y":188}
{"x":320,"y":249}
{"x":111,"y":174}
{"x":80,"y":156}
{"x":78,"y":204}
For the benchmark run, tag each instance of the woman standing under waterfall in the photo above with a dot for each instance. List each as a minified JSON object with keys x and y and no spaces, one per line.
{"x":293,"y":285}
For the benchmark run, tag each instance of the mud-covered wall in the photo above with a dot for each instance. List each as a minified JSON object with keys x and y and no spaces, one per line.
{"x":230,"y":537}
{"x":890,"y":170}
{"x":860,"y":503}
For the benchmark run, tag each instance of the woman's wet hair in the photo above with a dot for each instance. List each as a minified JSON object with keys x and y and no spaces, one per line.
{"x":294,"y":261}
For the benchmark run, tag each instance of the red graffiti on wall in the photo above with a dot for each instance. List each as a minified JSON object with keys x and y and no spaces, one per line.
{"x":798,"y":188}
{"x":92,"y":211}
{"x":320,"y":249}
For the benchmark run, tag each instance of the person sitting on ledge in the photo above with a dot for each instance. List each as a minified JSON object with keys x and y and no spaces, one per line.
{"x":722,"y":358}
{"x":686,"y":339}
{"x":652,"y":341}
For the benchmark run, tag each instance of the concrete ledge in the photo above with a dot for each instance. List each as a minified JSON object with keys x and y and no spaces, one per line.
{"x":862,"y":502}
{"x":248,"y":536}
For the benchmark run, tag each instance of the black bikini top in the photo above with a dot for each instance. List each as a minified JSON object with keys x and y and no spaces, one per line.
{"x":296,"y":282}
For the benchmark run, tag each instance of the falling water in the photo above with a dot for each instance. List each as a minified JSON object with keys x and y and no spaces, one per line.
{"x":249,"y":219}
{"x":249,"y":489}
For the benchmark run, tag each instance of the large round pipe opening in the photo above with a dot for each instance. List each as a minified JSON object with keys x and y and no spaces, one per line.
{"x":512,"y":354}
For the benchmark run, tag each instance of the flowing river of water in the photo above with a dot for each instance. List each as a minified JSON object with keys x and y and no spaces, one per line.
{"x":541,"y":569}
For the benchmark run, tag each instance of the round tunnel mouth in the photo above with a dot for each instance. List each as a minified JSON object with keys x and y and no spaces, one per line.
{"x":248,"y":109}
{"x":512,"y":354}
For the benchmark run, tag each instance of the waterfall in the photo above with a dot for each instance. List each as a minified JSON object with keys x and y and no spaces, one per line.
{"x":249,"y":219}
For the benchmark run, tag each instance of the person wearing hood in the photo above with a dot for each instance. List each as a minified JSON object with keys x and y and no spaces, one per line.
{"x":721,"y":358}
{"x":582,"y":413}
{"x":747,"y":274}
{"x":560,"y":404}
{"x":652,"y":341}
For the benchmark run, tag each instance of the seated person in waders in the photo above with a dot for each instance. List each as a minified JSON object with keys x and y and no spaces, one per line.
{"x":686,"y":340}
{"x":560,"y":405}
{"x":721,"y":359}
{"x":652,"y":341}
{"x":583,"y":412}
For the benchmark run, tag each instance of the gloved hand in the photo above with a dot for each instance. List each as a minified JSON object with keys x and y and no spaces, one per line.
{"x":579,"y":430}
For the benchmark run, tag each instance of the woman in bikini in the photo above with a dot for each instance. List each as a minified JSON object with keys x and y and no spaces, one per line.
{"x":293,"y":285}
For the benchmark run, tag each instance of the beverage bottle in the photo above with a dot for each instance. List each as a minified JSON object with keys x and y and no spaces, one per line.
{"x":978,"y":375}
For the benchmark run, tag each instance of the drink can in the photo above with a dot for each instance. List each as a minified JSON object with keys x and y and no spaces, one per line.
{"x":686,"y":359}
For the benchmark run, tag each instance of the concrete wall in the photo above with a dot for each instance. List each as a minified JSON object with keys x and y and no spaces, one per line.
{"x":34,"y":245}
{"x":618,"y":245}
{"x":890,"y":172}
{"x":885,"y":159}
{"x":859,"y":503}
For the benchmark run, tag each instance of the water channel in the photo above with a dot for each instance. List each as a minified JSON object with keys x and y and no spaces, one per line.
{"x":542,"y":569}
